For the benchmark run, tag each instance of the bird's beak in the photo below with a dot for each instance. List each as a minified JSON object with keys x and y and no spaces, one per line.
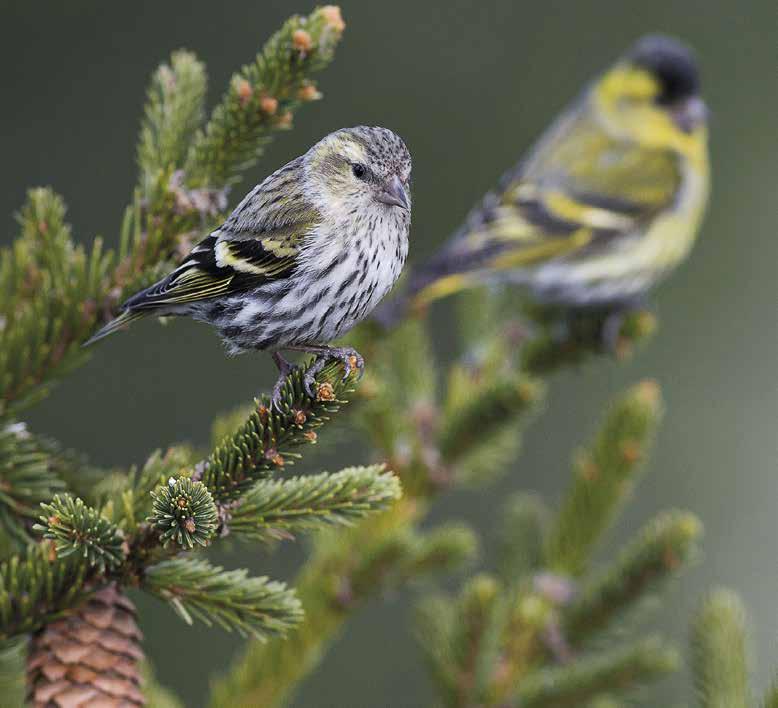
{"x":394,"y":194}
{"x":690,"y":113}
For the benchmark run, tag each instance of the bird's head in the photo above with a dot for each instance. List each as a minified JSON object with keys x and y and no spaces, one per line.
{"x":652,"y":96}
{"x":362,"y":171}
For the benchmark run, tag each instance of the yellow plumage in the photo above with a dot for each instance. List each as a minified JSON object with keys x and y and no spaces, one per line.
{"x":609,"y":199}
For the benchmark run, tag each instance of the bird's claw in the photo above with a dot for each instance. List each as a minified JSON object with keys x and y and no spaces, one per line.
{"x":309,"y":380}
{"x":349,"y":357}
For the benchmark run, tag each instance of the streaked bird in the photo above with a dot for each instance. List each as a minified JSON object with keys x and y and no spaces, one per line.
{"x":608,"y":201}
{"x":304,"y":257}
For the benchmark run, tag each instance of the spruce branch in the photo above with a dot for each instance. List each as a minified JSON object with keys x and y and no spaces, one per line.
{"x":520,"y":548}
{"x":658,"y":553}
{"x":38,"y":587}
{"x":616,"y":672}
{"x":196,"y":589}
{"x":604,"y":476}
{"x":267,"y":440}
{"x":479,"y":435}
{"x":435,"y":623}
{"x":28,"y":476}
{"x":279,"y":508}
{"x":78,"y":529}
{"x":262,"y":98}
{"x":174,"y":111}
{"x":184,"y":513}
{"x":46,"y":285}
{"x":563,"y":340}
{"x":719,"y":652}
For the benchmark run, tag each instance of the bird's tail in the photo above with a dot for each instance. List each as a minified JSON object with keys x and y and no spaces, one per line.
{"x":125,"y":318}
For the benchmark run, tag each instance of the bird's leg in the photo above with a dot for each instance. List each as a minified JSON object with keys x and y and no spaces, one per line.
{"x":614,"y":320}
{"x":284,"y":369}
{"x":349,"y":356}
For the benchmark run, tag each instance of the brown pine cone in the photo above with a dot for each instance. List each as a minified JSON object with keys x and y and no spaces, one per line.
{"x":89,"y":658}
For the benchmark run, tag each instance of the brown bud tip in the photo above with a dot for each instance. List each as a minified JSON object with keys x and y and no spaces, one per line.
{"x":631,"y":451}
{"x":243,"y":89}
{"x":325,"y":392}
{"x":263,"y":413}
{"x":52,"y":552}
{"x":190,"y":525}
{"x":308,"y":92}
{"x":301,"y":40}
{"x":310,"y":436}
{"x":300,"y":417}
{"x":181,"y":502}
{"x":269,"y":105}
{"x":649,"y":393}
{"x":588,"y":470}
{"x":333,"y":18}
{"x":53,"y":520}
{"x":278,"y":460}
{"x":353,"y":363}
{"x":284,"y":120}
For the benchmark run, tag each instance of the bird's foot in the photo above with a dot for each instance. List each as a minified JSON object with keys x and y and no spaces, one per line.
{"x":350,"y":358}
{"x":309,"y":379}
{"x":284,"y":369}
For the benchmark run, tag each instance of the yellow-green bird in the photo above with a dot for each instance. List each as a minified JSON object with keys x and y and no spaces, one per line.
{"x":608,"y":201}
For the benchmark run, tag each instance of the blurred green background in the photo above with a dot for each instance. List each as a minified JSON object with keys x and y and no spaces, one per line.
{"x":468,"y":85}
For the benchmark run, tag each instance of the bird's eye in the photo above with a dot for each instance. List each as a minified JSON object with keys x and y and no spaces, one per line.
{"x":359,"y":170}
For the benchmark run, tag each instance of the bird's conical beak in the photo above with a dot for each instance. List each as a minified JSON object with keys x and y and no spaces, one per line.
{"x":690,"y":113}
{"x":393,"y":193}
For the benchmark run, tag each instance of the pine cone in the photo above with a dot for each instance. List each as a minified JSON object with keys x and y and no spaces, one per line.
{"x":89,"y":658}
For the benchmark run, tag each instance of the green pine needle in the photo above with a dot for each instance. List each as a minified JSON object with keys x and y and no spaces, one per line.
{"x":231,"y":599}
{"x":184,"y":513}
{"x":279,"y":508}
{"x":78,"y":529}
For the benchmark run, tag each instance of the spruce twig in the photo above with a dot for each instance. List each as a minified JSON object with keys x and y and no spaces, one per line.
{"x":604,"y":476}
{"x":719,"y":652}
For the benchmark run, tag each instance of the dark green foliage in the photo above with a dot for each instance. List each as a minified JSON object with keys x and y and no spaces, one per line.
{"x":28,"y":476}
{"x":230,"y":599}
{"x":38,"y":587}
{"x":184,"y":513}
{"x":78,"y":529}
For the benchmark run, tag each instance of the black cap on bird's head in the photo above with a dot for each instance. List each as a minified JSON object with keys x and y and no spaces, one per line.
{"x":674,"y":67}
{"x":671,"y":63}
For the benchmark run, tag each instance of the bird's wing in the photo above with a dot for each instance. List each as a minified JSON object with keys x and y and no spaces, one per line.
{"x":576,"y":193}
{"x":260,"y":242}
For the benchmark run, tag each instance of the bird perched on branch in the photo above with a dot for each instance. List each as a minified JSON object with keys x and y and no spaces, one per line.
{"x":608,"y":201}
{"x":306,"y":255}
